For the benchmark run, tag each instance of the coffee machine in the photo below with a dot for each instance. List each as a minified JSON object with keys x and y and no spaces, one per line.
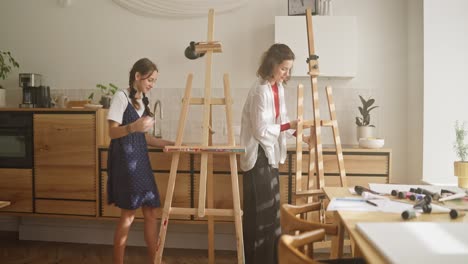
{"x":34,"y":94}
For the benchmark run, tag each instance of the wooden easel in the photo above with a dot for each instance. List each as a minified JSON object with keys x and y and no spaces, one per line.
{"x":315,"y":145}
{"x":316,"y":167}
{"x":206,"y":149}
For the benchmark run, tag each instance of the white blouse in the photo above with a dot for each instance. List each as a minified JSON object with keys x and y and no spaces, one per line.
{"x":259,"y":126}
{"x":118,"y":105}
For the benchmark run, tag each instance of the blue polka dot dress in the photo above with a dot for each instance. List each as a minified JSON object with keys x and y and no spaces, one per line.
{"x":130,"y":182}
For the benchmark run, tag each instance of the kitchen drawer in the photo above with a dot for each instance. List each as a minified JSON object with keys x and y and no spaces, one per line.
{"x":65,"y":182}
{"x":222,"y":193}
{"x":181,"y":196}
{"x":65,"y":207}
{"x":16,"y":187}
{"x":160,"y":161}
{"x":220,"y":162}
{"x":354,"y":164}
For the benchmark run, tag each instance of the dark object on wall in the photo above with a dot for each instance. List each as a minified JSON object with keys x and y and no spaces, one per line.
{"x":190,"y":52}
{"x":298,"y":7}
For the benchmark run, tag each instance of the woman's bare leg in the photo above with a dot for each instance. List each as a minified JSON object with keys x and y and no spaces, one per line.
{"x":151,"y":230}
{"x":121,"y":234}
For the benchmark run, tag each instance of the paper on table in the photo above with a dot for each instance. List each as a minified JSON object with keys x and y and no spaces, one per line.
{"x":390,"y":206}
{"x":350,"y":204}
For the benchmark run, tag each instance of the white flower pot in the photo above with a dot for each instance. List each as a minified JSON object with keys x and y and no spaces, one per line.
{"x":365,"y":132}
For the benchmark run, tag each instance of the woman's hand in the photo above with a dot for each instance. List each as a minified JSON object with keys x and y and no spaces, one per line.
{"x":143,"y":124}
{"x":293,"y":124}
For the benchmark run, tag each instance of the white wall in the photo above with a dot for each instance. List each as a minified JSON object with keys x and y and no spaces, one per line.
{"x":445,"y":84}
{"x":94,"y":42}
{"x":414,"y":121}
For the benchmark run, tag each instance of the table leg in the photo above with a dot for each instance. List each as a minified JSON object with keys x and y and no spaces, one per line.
{"x":338,"y":241}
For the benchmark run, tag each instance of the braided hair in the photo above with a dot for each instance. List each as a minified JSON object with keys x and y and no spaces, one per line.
{"x":146,"y":68}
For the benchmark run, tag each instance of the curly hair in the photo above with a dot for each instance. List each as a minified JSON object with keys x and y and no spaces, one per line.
{"x":275,"y":55}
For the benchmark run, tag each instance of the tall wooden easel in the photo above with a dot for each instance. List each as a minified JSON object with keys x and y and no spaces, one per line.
{"x":315,"y":145}
{"x":316,"y":167}
{"x":206,"y":150}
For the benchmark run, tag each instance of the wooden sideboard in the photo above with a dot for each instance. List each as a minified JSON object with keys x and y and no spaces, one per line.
{"x":362,"y":166}
{"x":65,"y":163}
{"x":70,"y":161}
{"x":62,"y":180}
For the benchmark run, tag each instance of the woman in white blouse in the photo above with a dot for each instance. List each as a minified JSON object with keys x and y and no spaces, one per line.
{"x":263,"y":132}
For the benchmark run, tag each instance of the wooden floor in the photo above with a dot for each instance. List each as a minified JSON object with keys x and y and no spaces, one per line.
{"x":14,"y":251}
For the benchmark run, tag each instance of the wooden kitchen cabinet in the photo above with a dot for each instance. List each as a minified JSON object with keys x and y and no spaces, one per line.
{"x":362,"y":166}
{"x":16,"y":187}
{"x":65,"y":162}
{"x":161,"y":164}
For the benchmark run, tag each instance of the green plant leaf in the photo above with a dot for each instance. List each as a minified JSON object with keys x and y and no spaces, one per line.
{"x":358,"y":121}
{"x":368,"y":110}
{"x":363,"y":113}
{"x":366,"y":120}
{"x":363,"y":101}
{"x":113,"y":88}
{"x":370,"y":102}
{"x":7,"y":63}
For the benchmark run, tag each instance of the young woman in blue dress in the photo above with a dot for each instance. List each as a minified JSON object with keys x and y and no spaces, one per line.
{"x":131,"y":183}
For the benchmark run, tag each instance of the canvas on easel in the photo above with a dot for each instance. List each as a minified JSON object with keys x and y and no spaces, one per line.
{"x":206,"y":149}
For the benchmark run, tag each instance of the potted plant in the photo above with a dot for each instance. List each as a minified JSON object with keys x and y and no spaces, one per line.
{"x":106,"y":93}
{"x":364,"y":127}
{"x":7,"y":63}
{"x":461,"y":150}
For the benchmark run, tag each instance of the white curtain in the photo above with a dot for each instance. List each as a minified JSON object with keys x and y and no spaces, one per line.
{"x":179,"y":8}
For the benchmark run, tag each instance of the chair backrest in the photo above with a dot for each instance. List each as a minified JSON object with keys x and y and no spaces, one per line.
{"x":290,"y":223}
{"x":288,"y":247}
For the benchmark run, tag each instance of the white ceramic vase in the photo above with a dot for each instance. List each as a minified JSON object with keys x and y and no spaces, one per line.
{"x":365,"y":132}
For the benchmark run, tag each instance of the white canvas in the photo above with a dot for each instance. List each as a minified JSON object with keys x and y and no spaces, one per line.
{"x":413,"y":242}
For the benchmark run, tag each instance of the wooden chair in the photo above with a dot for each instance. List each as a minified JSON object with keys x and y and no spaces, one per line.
{"x":289,"y":247}
{"x":291,"y":224}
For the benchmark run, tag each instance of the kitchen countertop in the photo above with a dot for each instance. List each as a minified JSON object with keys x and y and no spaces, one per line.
{"x":17,"y":109}
{"x":326,"y":148}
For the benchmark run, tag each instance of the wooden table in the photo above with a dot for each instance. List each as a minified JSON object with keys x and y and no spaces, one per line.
{"x":349,"y":219}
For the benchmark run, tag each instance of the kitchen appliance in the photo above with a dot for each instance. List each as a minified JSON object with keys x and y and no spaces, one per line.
{"x":16,"y":140}
{"x":34,"y":94}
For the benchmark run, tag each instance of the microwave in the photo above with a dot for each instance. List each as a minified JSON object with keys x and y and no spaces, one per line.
{"x":16,"y":139}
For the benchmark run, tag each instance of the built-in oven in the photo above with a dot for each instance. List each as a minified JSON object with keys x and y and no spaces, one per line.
{"x":16,"y":139}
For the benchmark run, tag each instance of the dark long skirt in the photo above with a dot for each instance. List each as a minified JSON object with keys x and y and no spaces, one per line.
{"x":261,"y":219}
